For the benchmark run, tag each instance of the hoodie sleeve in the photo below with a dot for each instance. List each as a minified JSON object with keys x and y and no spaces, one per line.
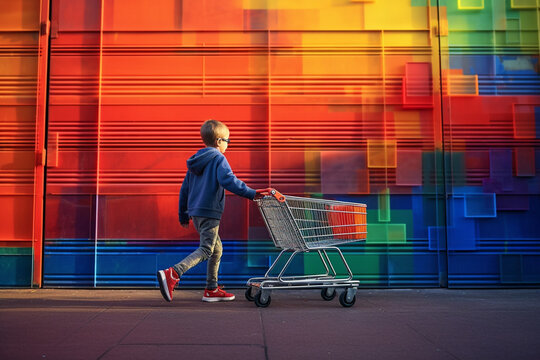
{"x":183,"y":216}
{"x":229,"y":181}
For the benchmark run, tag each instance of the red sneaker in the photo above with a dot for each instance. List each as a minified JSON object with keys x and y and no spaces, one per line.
{"x":167,"y":280}
{"x":217,"y":295}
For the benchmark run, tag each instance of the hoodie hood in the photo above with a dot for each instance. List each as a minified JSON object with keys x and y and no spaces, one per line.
{"x":200,"y":159}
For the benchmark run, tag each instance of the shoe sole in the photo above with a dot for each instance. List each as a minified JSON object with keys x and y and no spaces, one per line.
{"x":163,"y":285}
{"x":216,"y":299}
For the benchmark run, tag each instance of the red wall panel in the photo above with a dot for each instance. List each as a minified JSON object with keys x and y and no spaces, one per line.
{"x":23,"y":60}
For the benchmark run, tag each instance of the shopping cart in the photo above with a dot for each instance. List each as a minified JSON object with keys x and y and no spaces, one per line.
{"x":302,"y":225}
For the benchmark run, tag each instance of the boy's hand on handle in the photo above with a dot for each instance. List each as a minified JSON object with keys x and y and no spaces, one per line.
{"x":269,"y":192}
{"x":259,"y":194}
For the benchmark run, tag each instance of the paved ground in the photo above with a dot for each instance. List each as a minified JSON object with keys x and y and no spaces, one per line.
{"x":383,"y":324}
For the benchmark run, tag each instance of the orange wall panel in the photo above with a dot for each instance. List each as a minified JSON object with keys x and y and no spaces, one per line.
{"x":19,"y":15}
{"x":16,"y":214}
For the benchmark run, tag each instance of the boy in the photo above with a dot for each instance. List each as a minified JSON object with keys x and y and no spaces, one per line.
{"x":202,"y":198}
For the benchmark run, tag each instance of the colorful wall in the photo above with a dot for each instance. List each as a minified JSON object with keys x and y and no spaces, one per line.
{"x":427,"y":111}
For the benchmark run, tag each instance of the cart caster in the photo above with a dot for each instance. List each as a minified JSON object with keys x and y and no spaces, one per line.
{"x":328,"y":293}
{"x":249,"y":297}
{"x":262,"y":300}
{"x":348,"y":297}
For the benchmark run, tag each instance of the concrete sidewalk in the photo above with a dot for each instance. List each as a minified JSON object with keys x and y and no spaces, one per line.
{"x":383,"y":324}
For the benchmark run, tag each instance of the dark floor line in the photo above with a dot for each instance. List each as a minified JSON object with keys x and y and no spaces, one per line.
{"x":432,"y":342}
{"x":119,"y":342}
{"x":186,"y":344}
{"x":82,"y":326}
{"x":263,"y":335}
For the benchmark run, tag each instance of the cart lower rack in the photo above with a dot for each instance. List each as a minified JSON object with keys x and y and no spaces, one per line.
{"x":302,"y":225}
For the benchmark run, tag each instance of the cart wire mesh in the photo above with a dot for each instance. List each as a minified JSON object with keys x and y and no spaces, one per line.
{"x":301,"y":223}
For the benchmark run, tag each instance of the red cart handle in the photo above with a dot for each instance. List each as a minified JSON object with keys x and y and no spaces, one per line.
{"x":272,"y":192}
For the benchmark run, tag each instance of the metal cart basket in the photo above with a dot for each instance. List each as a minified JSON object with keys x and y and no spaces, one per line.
{"x":302,"y":225}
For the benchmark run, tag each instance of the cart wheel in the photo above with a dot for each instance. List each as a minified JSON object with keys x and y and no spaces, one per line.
{"x":328,"y":293}
{"x":249,"y":297}
{"x":263,"y":303}
{"x":343,"y":299}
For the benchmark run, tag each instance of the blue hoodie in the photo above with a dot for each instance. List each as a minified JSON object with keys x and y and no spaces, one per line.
{"x":203,"y":190}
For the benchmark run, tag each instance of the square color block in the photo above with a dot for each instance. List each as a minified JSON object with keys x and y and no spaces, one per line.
{"x":461,"y":230}
{"x":386,"y":233}
{"x":470,"y":4}
{"x":525,"y":161}
{"x":340,"y":172}
{"x":480,"y":206}
{"x":407,"y":124}
{"x":409,"y":168}
{"x":462,"y":85}
{"x":512,"y":202}
{"x":469,"y":110}
{"x":524,"y":116}
{"x":436,"y":238}
{"x":392,"y":15}
{"x":384,"y":205}
{"x":382,"y":153}
{"x":500,"y":164}
{"x":513,"y":31}
{"x":417,"y":85}
{"x":52,"y":149}
{"x":523,"y":4}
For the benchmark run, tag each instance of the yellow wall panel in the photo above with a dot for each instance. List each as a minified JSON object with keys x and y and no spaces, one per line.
{"x":395,"y":15}
{"x":381,"y":153}
{"x":342,"y":18}
{"x":524,"y":4}
{"x":407,"y":38}
{"x":293,"y":19}
{"x":470,"y":4}
{"x":337,"y":39}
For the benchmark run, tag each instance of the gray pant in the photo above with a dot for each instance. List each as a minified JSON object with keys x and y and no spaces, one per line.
{"x":210,"y":249}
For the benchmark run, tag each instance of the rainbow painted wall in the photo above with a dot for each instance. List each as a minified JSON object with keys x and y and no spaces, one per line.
{"x":427,"y":111}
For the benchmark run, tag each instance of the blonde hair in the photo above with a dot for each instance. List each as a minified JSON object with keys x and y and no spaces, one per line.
{"x":211,"y":130}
